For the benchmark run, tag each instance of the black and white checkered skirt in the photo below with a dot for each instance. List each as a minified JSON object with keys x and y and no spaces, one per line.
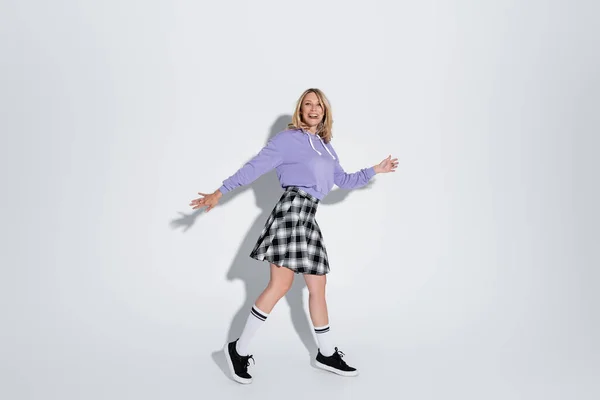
{"x":291,"y":237}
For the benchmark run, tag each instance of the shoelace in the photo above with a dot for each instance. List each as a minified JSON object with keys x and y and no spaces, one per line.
{"x":248,"y":360}
{"x":339,"y":355}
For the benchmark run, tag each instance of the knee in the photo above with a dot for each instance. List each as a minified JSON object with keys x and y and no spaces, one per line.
{"x":317,"y":291}
{"x":281,"y":286}
{"x":317,"y":294}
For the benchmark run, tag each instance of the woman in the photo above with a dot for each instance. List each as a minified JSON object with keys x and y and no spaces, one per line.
{"x":291,"y":241}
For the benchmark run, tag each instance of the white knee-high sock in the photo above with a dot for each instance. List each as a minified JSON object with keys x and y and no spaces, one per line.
{"x":325,"y":341}
{"x":254,"y":321}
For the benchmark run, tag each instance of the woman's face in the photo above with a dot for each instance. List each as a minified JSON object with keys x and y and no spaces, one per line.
{"x":311,"y":110}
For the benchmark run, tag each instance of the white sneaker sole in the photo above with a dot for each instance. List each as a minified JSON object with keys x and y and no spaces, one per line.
{"x":335,"y":371}
{"x":230,"y":365}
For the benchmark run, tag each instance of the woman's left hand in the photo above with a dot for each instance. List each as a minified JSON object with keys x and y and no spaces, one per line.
{"x":387,"y":165}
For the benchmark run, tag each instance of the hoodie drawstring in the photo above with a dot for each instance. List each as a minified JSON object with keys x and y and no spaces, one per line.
{"x":313,"y":146}
{"x":311,"y":143}
{"x":326,"y":147}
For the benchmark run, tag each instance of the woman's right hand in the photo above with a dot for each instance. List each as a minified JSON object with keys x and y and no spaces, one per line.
{"x":208,"y":201}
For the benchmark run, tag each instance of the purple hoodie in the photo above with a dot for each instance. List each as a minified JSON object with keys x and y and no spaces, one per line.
{"x":301,"y":159}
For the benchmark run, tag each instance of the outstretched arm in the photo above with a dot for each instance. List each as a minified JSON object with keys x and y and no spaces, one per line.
{"x":352,"y":180}
{"x":268,"y":158}
{"x":358,"y":179}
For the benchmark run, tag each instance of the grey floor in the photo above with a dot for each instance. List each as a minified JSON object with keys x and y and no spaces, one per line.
{"x":153,"y":362}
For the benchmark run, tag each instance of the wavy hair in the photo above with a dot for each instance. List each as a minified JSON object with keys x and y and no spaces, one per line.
{"x":324,"y":128}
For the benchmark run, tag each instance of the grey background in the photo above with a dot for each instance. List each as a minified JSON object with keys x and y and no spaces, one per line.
{"x":470,"y":273}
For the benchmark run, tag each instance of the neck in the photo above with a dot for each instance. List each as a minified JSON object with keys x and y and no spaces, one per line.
{"x":312,"y":129}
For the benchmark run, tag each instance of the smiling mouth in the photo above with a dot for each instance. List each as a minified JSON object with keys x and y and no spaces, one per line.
{"x":313,"y":116}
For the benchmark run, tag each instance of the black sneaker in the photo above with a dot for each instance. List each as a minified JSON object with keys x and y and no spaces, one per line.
{"x":238,"y":365}
{"x":335,"y":364}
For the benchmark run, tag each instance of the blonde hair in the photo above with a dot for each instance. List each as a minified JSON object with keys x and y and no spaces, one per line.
{"x":324,"y":128}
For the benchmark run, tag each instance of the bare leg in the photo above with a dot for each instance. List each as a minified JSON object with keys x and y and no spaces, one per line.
{"x":280,"y":282}
{"x":237,"y":352}
{"x":328,"y":357}
{"x":317,"y":305}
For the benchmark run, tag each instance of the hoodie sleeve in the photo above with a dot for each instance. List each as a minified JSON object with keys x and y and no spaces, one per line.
{"x":268,"y":158}
{"x":352,"y":180}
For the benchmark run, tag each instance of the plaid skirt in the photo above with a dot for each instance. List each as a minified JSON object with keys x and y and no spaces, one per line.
{"x":291,"y":237}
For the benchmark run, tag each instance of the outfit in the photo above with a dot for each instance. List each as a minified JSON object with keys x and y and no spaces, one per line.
{"x":307,"y":169}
